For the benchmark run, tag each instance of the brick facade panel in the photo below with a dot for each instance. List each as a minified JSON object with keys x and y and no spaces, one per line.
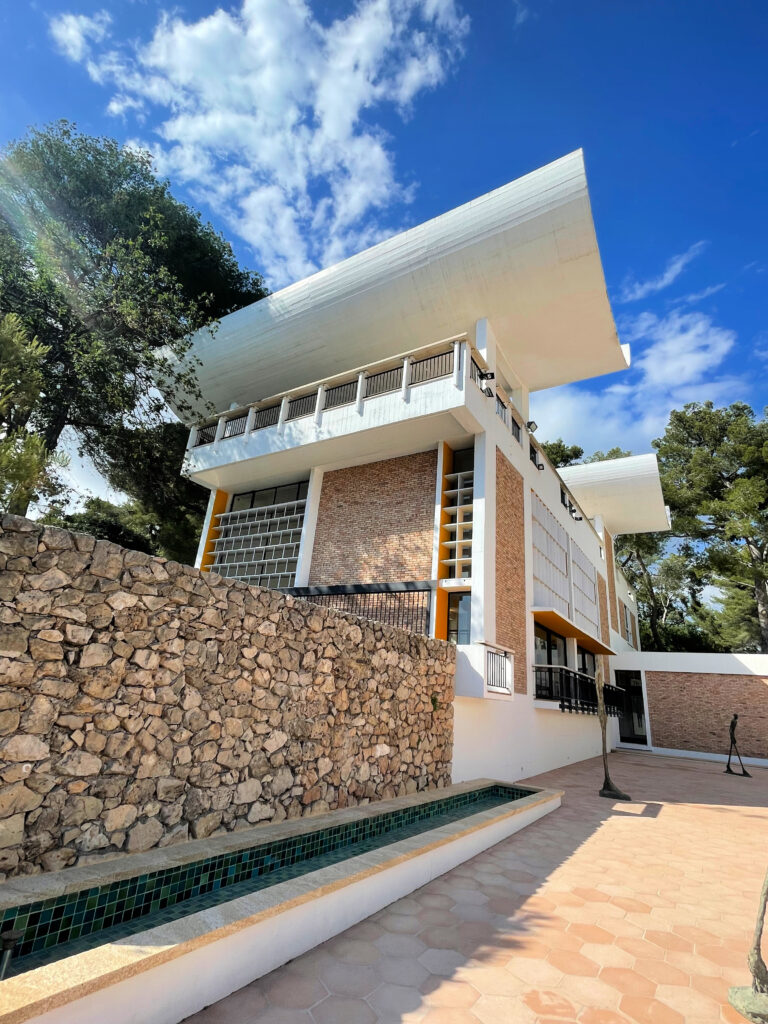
{"x":610,"y":569}
{"x":510,"y":567}
{"x":691,"y":711}
{"x":375,"y":522}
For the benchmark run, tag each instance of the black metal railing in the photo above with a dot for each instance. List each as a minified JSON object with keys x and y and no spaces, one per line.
{"x":474,"y":373}
{"x":266,"y":417}
{"x":516,"y":429}
{"x":206,"y":434}
{"x":575,"y":691}
{"x":431,"y":368}
{"x":303,"y":406}
{"x":404,"y":605}
{"x":381,"y":383}
{"x":501,"y":411}
{"x":235,"y":426}
{"x":342,"y":394}
{"x":496,"y":667}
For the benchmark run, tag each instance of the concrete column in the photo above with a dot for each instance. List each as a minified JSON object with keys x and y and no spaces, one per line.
{"x":220,"y":428}
{"x":283,"y":412}
{"x":459,"y":348}
{"x":360,"y":392}
{"x":485,"y":343}
{"x":307,"y":543}
{"x":483,"y":606}
{"x":250,"y":420}
{"x":319,"y":404}
{"x":404,"y":385}
{"x":205,"y":530}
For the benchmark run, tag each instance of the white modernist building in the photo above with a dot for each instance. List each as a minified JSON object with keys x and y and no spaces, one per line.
{"x":374,"y":450}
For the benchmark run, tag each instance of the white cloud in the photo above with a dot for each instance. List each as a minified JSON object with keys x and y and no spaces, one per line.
{"x":694,"y":297}
{"x":522,"y":12}
{"x":270,"y":116}
{"x":678,"y":359}
{"x":632,"y":290}
{"x":73,"y":33}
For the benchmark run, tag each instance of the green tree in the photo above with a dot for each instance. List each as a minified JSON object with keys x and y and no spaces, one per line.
{"x":714,"y":465}
{"x":113,"y":275}
{"x":145,"y":463}
{"x":27,"y":467}
{"x":127,"y":525}
{"x":561,"y":454}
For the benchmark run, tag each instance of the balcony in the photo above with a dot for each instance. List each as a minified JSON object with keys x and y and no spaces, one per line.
{"x":575,"y":691}
{"x":399,"y":405}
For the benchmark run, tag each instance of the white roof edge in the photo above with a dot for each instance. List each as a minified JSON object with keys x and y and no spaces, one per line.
{"x":625,"y":492}
{"x":524,"y":256}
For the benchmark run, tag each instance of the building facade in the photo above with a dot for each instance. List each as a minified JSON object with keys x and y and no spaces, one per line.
{"x":374,"y":451}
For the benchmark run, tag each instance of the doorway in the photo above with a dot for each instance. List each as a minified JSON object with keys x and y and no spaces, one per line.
{"x":632,"y":727}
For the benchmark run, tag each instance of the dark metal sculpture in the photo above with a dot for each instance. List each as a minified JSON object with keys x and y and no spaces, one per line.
{"x":609,"y":790}
{"x":728,"y":769}
{"x":752,"y":1001}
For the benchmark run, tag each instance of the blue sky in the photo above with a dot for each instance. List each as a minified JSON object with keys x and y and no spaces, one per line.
{"x":308,"y":130}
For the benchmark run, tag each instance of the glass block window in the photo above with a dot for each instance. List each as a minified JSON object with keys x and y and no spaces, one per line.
{"x":258,"y":539}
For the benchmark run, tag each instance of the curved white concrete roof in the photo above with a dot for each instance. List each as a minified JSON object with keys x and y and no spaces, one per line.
{"x":525,"y":256}
{"x":625,"y":492}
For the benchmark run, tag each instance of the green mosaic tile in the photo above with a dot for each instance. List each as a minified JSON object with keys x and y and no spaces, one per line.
{"x":69,"y":924}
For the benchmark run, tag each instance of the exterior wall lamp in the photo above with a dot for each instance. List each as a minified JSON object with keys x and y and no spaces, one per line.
{"x":532,"y":426}
{"x":487,"y":375}
{"x":488,"y":392}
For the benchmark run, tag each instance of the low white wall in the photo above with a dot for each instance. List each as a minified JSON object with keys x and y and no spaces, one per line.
{"x":684,"y":661}
{"x":173,"y":991}
{"x":513,"y":739}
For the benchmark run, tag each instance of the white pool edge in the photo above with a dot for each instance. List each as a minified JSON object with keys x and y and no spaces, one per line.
{"x":175,"y":989}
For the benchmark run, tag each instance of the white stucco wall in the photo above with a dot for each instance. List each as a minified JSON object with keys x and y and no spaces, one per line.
{"x":514,"y":739}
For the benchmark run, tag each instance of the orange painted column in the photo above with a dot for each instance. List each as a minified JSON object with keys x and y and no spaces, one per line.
{"x":219,"y":506}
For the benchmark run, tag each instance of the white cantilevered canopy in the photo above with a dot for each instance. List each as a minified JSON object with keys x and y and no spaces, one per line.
{"x":524,"y":256}
{"x":626,"y":493}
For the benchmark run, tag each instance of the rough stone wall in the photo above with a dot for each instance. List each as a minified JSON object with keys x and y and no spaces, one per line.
{"x":143,"y":702}
{"x":376,"y":522}
{"x":692,"y":711}
{"x":510,"y":566}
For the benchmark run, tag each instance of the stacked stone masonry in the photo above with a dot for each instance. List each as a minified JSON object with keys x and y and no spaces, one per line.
{"x":143,"y":702}
{"x":692,"y":711}
{"x":376,"y":522}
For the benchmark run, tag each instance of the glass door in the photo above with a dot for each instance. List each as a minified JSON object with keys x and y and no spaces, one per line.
{"x":632,"y":721}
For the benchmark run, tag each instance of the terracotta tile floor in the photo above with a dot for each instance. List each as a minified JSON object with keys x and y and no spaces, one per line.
{"x":601,"y":913}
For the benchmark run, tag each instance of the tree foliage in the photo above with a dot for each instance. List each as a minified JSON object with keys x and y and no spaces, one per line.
{"x":561,"y":454}
{"x":27,"y":467}
{"x":714,"y":465}
{"x":127,"y":525}
{"x":112,"y":274}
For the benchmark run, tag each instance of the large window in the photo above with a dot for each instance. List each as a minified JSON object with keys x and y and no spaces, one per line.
{"x":586,"y":661}
{"x":459,"y":618}
{"x":549,"y":647}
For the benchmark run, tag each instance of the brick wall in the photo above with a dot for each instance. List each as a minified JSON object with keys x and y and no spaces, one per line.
{"x":605,"y":634}
{"x":691,"y":711}
{"x":375,"y":523}
{"x":510,"y":566}
{"x":611,"y":573}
